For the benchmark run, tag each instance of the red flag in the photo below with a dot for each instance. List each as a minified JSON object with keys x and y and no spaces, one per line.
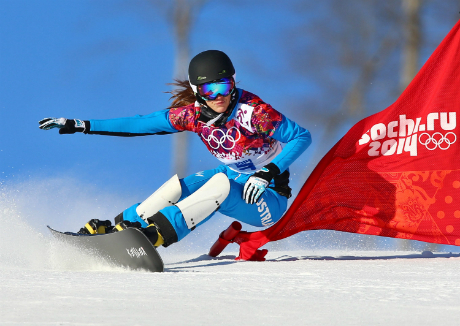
{"x":394,"y":174}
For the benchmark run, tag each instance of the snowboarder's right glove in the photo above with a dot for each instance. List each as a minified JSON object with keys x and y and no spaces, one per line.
{"x":66,"y":126}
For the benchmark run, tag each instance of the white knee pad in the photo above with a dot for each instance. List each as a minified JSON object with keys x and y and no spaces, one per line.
{"x":199,"y":205}
{"x":167,"y":195}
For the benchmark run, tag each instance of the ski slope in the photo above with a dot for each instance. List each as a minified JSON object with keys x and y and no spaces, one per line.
{"x":291,"y":288}
{"x":44,"y":282}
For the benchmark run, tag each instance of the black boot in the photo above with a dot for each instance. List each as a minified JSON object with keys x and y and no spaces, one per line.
{"x":153,"y":234}
{"x":96,"y":226}
{"x":164,"y":227}
{"x":150,"y":231}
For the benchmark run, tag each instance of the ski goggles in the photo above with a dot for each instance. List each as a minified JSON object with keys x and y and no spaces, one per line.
{"x":211,"y":90}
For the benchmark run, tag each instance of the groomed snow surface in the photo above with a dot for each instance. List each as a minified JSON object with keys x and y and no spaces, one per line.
{"x":44,"y":282}
{"x":289,"y":289}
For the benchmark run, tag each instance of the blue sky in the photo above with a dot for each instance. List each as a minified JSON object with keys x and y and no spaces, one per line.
{"x":97,"y":59}
{"x":106,"y":59}
{"x":102,"y":59}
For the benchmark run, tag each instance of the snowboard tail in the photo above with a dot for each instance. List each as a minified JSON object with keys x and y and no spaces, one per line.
{"x":128,"y":248}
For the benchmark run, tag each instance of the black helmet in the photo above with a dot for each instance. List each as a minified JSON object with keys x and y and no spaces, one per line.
{"x":208,"y":66}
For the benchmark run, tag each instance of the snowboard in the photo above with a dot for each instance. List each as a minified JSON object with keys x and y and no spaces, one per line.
{"x":128,"y":248}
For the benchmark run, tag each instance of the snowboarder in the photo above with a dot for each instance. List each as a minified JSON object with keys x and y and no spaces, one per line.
{"x":237,"y":127}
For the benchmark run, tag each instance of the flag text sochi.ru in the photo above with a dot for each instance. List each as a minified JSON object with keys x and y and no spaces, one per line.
{"x":404,"y":135}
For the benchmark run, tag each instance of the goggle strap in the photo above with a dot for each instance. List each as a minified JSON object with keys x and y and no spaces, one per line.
{"x":194,"y":87}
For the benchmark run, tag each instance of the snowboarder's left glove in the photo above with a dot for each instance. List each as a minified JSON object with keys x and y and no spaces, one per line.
{"x":258,"y":182}
{"x":66,"y":126}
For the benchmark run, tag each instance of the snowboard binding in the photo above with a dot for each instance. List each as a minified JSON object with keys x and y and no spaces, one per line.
{"x":96,"y":226}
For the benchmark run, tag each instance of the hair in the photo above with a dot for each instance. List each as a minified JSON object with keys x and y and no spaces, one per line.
{"x":182,"y":94}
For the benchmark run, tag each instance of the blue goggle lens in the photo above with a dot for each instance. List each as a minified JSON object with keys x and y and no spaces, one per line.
{"x":210,"y":91}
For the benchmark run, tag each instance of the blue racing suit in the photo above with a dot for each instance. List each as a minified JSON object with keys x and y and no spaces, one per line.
{"x":253,"y":136}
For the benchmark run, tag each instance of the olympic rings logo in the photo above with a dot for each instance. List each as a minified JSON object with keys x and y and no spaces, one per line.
{"x":437,"y":140}
{"x":218,"y":138}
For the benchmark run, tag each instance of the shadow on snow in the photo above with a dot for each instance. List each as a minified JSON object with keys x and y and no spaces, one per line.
{"x":230,"y":259}
{"x":423,"y":255}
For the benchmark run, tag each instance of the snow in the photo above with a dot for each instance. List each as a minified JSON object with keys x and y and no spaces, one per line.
{"x":45,"y":282}
{"x":363,"y":288}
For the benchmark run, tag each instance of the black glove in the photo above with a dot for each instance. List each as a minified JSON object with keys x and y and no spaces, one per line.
{"x":66,"y":126}
{"x":258,"y":182}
